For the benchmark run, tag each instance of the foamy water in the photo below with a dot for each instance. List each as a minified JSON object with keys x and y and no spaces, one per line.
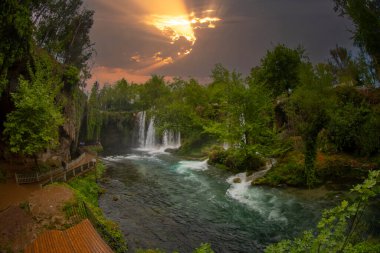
{"x":193,"y":165}
{"x":176,"y":204}
{"x":258,"y":199}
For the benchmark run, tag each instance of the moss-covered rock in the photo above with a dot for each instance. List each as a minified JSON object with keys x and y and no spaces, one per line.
{"x":236,"y":159}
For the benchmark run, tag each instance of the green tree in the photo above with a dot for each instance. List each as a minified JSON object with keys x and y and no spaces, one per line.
{"x":279,"y":69}
{"x":94,"y":117}
{"x":308,"y":110}
{"x":15,"y":33}
{"x":366,"y":17}
{"x":63,"y":29}
{"x":34,"y":124}
{"x":349,"y":70}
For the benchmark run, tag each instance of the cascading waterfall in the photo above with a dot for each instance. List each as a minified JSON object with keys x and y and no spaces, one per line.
{"x":150,"y":140}
{"x":171,"y":139}
{"x":242,"y":124}
{"x":141,"y":137}
{"x":147,"y":138}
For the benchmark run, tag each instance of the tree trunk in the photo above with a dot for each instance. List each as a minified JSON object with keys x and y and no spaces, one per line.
{"x":310,"y":156}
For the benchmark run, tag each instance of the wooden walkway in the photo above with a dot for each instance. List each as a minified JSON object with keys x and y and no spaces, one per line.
{"x":82,"y":238}
{"x":75,"y":168}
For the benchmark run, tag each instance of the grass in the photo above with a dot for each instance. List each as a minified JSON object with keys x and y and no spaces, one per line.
{"x":288,"y":170}
{"x":87,"y":190}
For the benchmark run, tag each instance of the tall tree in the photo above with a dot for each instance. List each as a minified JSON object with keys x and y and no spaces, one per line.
{"x":15,"y":33}
{"x":279,"y":69}
{"x":94,"y":118}
{"x":366,"y":17}
{"x":63,"y":29}
{"x":308,"y":107}
{"x":34,"y":124}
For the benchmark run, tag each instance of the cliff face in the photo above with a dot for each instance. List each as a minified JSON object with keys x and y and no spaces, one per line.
{"x":117,"y":131}
{"x":73,"y":112}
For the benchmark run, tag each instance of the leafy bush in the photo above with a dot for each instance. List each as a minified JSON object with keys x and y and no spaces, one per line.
{"x":289,"y":173}
{"x":236,"y":159}
{"x":337,"y":231}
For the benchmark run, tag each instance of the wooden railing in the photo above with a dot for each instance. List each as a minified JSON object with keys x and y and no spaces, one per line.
{"x":74,"y":168}
{"x":65,"y":175}
{"x":35,"y":177}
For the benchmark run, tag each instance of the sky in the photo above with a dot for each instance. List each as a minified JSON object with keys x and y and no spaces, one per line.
{"x":137,"y":38}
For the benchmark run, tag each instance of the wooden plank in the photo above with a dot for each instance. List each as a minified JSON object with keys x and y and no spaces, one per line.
{"x":82,"y":238}
{"x":96,"y":243}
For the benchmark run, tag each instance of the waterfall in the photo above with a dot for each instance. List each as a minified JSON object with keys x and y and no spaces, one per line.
{"x":150,"y":141}
{"x":242,"y":125}
{"x":147,"y":138}
{"x":171,"y":139}
{"x":141,"y":137}
{"x":226,"y":145}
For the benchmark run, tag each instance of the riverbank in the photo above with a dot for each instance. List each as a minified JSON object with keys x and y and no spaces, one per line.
{"x":28,"y":210}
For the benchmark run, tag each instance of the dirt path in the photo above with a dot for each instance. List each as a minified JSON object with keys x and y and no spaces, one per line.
{"x":40,"y":209}
{"x":14,"y":194}
{"x":19,"y":226}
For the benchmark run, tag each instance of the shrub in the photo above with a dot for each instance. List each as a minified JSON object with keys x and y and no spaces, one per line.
{"x":236,"y":159}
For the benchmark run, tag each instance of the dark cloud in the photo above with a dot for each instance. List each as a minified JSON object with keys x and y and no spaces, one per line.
{"x":247,"y":30}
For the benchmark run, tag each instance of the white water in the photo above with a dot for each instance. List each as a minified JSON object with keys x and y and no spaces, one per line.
{"x":141,"y":116}
{"x":254,"y":197}
{"x":147,"y":140}
{"x":193,"y":165}
{"x":170,"y":203}
{"x":171,"y":139}
{"x":150,"y":140}
{"x":242,"y":125}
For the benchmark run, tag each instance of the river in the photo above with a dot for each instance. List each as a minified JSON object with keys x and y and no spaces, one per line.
{"x":161,"y":201}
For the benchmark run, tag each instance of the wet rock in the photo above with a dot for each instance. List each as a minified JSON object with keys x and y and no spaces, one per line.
{"x":116,"y":198}
{"x":237,"y":180}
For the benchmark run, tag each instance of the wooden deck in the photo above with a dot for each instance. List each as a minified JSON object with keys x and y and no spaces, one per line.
{"x":82,"y":238}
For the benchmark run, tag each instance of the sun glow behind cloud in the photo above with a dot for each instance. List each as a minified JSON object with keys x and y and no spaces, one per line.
{"x":176,"y":25}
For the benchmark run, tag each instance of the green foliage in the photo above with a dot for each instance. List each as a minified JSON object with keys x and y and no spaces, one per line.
{"x":204,"y":248}
{"x":308,"y":108}
{"x":86,"y":187}
{"x":335,"y":231}
{"x":33,"y":126}
{"x":94,"y":117}
{"x":71,"y":77}
{"x":236,"y":159}
{"x":15,"y":34}
{"x":365,"y":15}
{"x":354,"y":124}
{"x":348,"y":70}
{"x":25,"y":206}
{"x":288,"y":170}
{"x":63,"y":29}
{"x":279,"y":70}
